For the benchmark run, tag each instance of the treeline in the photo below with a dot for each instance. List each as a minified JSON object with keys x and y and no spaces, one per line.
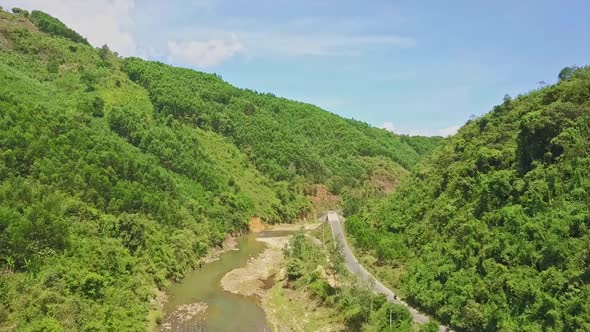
{"x":109,"y":189}
{"x":492,"y":230}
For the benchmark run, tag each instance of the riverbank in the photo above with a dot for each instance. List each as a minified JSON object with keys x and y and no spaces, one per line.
{"x":203,"y":286}
{"x":157,"y":321}
{"x":264,"y":277}
{"x":255,"y":277}
{"x":251,"y":279}
{"x":243,"y":279}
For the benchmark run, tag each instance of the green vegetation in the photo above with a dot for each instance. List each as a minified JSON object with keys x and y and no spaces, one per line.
{"x":293,"y":143}
{"x":323,"y":275}
{"x":55,"y":27}
{"x":491,"y":231}
{"x":109,"y":188}
{"x":293,"y":307}
{"x":20,"y":11}
{"x":101,"y":200}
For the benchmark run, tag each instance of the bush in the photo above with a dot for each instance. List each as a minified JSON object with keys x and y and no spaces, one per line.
{"x":20,"y":11}
{"x":294,"y":269}
{"x":320,"y":289}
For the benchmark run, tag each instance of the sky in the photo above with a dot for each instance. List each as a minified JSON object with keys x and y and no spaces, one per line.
{"x":412,"y":67}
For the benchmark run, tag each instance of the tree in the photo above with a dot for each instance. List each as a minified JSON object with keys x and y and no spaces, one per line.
{"x":390,"y":317}
{"x":336,"y":265}
{"x":566,"y":73}
{"x":98,"y":107}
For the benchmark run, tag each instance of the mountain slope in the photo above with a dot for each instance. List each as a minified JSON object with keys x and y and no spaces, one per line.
{"x":108,"y":190}
{"x":92,"y":215}
{"x":286,"y":140}
{"x":492,"y":230}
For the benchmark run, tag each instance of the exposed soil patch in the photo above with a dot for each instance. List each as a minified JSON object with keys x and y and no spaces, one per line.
{"x":322,"y":199}
{"x":385,"y":181}
{"x":269,"y":282}
{"x":256,"y":225}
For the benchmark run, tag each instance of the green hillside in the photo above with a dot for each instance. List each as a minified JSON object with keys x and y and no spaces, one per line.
{"x":491,"y":233}
{"x":286,"y":140}
{"x":117,"y":175}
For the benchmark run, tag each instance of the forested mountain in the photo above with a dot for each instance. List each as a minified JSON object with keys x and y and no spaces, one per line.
{"x":116,"y":175}
{"x":491,"y":232}
{"x":286,"y":140}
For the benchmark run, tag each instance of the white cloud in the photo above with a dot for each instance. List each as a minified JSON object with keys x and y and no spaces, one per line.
{"x":301,"y":36}
{"x":112,"y":22}
{"x":204,"y":53}
{"x":388,"y":126}
{"x":100,"y":21}
{"x":322,"y":44}
{"x":448,"y":131}
{"x":317,"y":34}
{"x":444,"y":132}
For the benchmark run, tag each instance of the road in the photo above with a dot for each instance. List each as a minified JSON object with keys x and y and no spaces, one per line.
{"x":357,"y":269}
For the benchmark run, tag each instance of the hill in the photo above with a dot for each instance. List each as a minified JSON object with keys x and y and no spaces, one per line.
{"x":117,"y":175}
{"x":286,"y":140}
{"x":491,"y":232}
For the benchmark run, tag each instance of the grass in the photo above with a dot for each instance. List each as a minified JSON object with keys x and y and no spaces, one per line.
{"x":294,"y":310}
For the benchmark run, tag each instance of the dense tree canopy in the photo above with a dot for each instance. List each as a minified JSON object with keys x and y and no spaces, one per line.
{"x":284,"y":138}
{"x":492,"y":230}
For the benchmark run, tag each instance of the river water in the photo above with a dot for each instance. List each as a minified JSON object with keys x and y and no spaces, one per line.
{"x":226,"y":311}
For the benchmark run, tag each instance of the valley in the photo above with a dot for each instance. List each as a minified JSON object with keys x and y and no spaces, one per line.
{"x":136,"y":195}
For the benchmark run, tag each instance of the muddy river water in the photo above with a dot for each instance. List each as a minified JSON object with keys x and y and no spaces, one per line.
{"x":224,"y":311}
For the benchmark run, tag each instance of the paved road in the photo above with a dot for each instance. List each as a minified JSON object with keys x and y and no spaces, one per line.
{"x":354,"y":266}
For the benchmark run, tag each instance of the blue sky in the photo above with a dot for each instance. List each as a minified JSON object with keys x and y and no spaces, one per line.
{"x":419,"y":67}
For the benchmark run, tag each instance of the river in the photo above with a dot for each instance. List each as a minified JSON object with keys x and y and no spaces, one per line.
{"x":225,"y":311}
